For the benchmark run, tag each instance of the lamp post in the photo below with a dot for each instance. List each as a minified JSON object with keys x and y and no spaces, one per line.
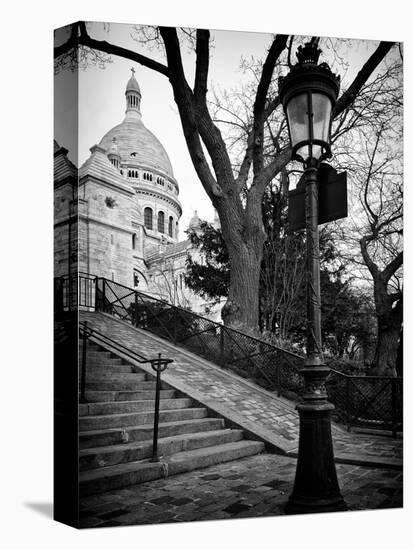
{"x":308,"y":94}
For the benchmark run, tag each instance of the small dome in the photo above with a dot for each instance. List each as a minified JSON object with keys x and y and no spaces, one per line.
{"x":194,"y":222}
{"x":114,"y":150}
{"x":132,"y":85}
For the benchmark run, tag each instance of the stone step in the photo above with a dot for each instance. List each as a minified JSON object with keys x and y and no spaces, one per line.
{"x":97,"y":438}
{"x":129,"y":452}
{"x":114,"y":377}
{"x":105,"y":396}
{"x":120,"y":407}
{"x":102,"y":385}
{"x":100,"y":361}
{"x":92,"y":354}
{"x":91,"y":351}
{"x":109,"y":368}
{"x":124,"y":475}
{"x":136,"y":419}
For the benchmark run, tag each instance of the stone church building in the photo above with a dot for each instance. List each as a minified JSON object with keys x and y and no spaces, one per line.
{"x":123,"y":206}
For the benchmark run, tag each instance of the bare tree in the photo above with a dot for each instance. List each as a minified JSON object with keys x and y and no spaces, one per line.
{"x":381,"y":249}
{"x":235,"y":193}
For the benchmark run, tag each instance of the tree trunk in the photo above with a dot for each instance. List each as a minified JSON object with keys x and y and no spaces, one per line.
{"x":388,"y":337}
{"x":241,"y":311}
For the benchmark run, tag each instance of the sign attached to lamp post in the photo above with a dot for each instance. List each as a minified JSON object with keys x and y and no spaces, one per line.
{"x":332,"y":198}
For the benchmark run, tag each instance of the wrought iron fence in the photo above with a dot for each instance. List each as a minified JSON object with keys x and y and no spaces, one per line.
{"x":367,"y":401}
{"x":265,"y":364}
{"x":364,"y":401}
{"x":72,"y":292}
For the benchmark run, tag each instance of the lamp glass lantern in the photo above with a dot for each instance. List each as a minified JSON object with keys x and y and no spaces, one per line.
{"x":308,"y":94}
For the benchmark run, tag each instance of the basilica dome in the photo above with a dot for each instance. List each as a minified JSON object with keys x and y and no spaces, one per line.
{"x":137,"y":146}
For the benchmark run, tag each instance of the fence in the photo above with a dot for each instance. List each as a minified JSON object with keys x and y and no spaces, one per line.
{"x":265,"y":364}
{"x":363,"y":401}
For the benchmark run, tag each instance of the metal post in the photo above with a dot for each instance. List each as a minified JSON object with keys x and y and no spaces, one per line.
{"x":158,"y":365}
{"x":278,"y":374}
{"x":103,"y":294}
{"x":83,"y":372}
{"x":175,"y":334}
{"x":155,"y":457}
{"x":96,"y":293}
{"x":221,"y":344}
{"x":316,"y":486}
{"x":136,"y":310}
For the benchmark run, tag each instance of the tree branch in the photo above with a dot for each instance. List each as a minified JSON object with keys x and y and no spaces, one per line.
{"x":187,"y":110}
{"x":85,"y":40}
{"x":393,"y":266}
{"x":372,"y":267}
{"x":202,"y":64}
{"x":363,"y":75}
{"x":276,"y":48}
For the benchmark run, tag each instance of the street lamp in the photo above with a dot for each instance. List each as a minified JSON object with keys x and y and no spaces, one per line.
{"x":308,"y":94}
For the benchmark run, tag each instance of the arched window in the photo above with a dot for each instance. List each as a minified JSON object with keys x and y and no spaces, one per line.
{"x":170,"y":226}
{"x":161,"y":222}
{"x":147,"y":218}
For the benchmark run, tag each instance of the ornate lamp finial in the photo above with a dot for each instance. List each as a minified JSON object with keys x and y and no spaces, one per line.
{"x":133,"y":71}
{"x":308,"y":53}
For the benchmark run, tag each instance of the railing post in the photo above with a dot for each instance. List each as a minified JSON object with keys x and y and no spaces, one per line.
{"x":136,"y":310}
{"x":83,"y":371}
{"x":158,"y":365}
{"x":394,"y":407}
{"x":175,"y":335}
{"x":96,"y":293}
{"x":348,"y":416}
{"x":157,"y":368}
{"x":221,"y":345}
{"x":103,"y":295}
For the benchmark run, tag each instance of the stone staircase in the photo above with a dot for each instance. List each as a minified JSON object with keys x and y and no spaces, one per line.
{"x":116,"y":426}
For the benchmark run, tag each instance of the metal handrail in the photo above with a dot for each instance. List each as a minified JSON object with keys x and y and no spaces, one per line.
{"x":158,"y":364}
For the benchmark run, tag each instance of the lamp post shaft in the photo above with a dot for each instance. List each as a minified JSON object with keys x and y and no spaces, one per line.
{"x":316,"y":487}
{"x":313,"y":268}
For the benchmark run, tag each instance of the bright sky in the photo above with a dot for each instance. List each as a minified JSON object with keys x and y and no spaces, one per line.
{"x":102,"y":99}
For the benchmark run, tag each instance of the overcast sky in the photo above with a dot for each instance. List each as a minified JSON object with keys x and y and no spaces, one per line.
{"x":102,"y":99}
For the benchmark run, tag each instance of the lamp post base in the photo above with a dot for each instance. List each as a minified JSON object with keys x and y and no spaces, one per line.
{"x":316,"y":487}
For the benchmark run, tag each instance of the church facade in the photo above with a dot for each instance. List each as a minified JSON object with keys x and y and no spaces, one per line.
{"x":123,"y":207}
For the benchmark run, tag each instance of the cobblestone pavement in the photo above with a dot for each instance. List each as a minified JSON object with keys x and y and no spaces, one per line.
{"x":251,"y":487}
{"x":273,"y":418}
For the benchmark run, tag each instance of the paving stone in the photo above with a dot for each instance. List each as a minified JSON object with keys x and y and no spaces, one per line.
{"x":113,"y":514}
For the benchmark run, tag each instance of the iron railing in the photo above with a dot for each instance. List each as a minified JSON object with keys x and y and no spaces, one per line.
{"x":360,"y":401}
{"x":269,"y":366}
{"x":73,"y":292}
{"x":367,"y":401}
{"x":158,"y":364}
